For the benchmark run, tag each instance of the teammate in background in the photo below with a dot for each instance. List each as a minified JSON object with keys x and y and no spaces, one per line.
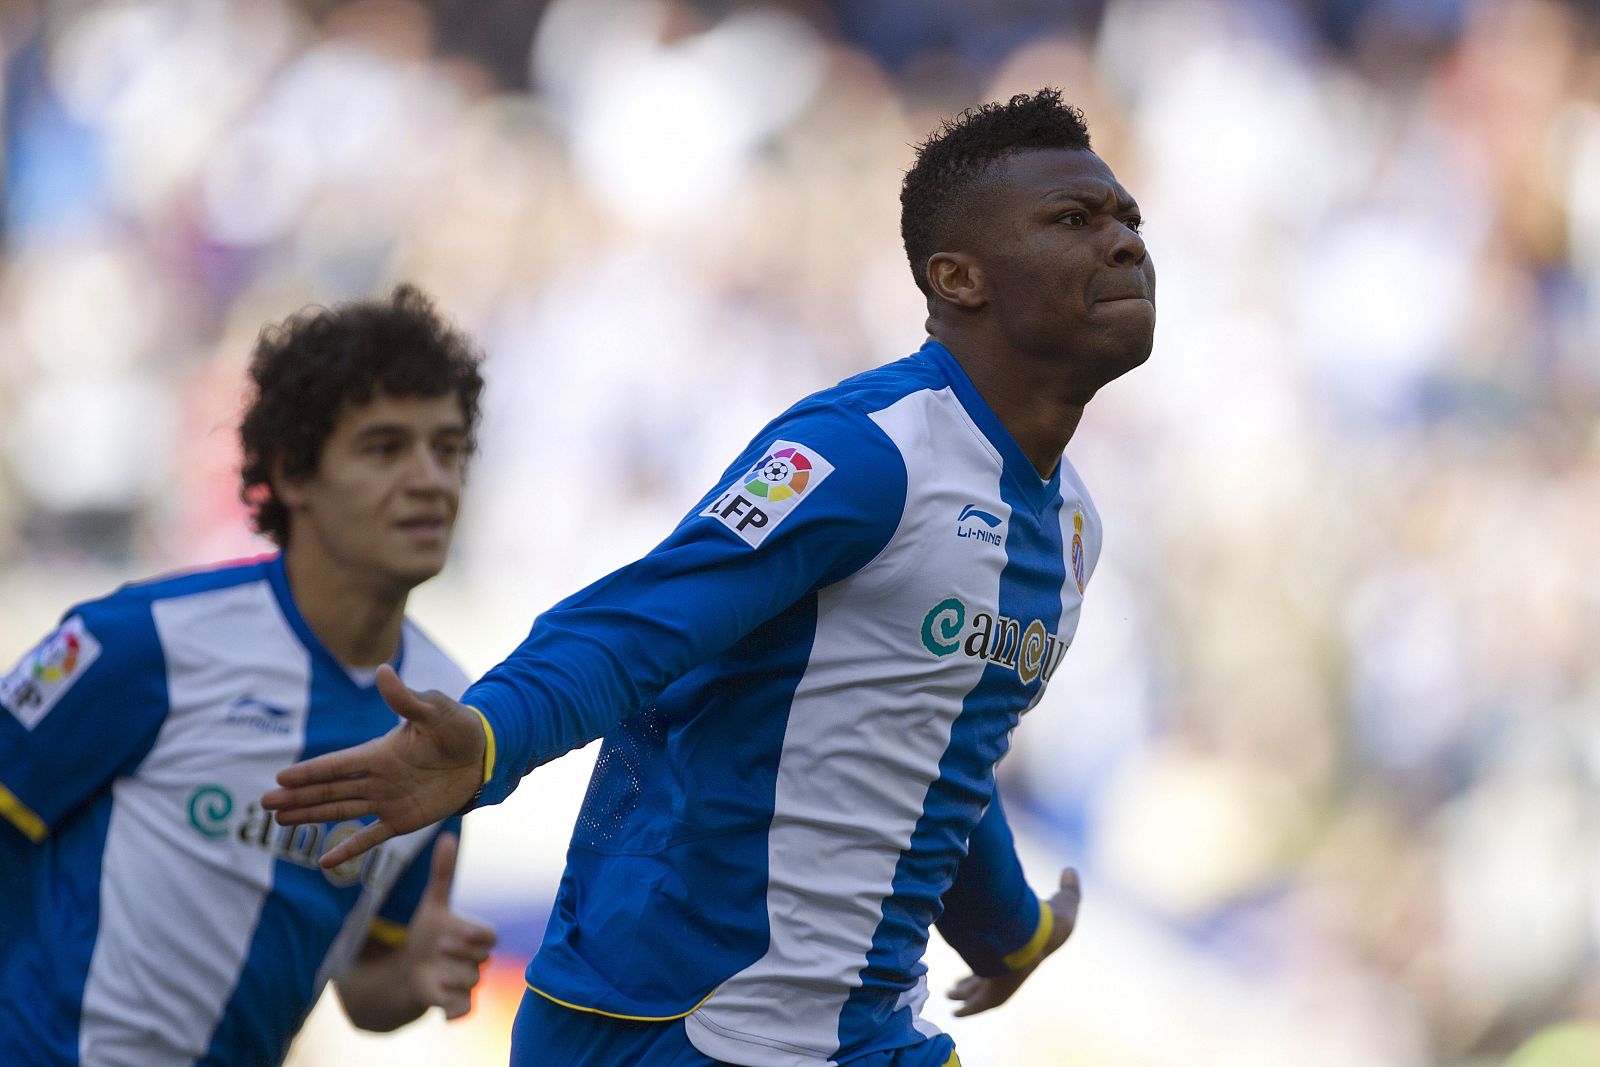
{"x":805,"y":688}
{"x":164,"y":918}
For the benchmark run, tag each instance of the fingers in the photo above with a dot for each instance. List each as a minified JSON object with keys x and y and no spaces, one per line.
{"x":404,"y":701}
{"x":338,"y":811}
{"x":457,"y":1005}
{"x":978,"y":995}
{"x":357,"y":844}
{"x":1065,"y":906}
{"x":442,"y":872}
{"x":468,"y":939}
{"x":346,"y":763}
{"x":324,"y":802}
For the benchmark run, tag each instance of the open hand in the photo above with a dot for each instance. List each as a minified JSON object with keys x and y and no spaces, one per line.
{"x":426,"y":768}
{"x":977,"y":994}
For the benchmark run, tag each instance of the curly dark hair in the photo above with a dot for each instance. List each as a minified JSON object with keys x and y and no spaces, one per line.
{"x":941,"y":188}
{"x":307,"y":368}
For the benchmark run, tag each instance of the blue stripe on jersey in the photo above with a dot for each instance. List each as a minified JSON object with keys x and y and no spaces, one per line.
{"x":1030,"y":587}
{"x":68,"y":864}
{"x":681,"y":800}
{"x":322,"y":659}
{"x":39,"y":1021}
{"x":298,"y":918}
{"x":304,"y":912}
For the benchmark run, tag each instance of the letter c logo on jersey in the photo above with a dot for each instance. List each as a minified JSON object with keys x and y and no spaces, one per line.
{"x":941,"y":627}
{"x":210,"y":807}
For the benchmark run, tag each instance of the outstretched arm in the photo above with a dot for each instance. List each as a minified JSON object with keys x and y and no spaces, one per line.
{"x":997,"y":924}
{"x":437,"y":964}
{"x":977,"y":993}
{"x":424,"y":770}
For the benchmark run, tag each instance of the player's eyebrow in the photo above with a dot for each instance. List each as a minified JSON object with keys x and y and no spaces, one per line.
{"x":395,"y":429}
{"x":1094,"y":194}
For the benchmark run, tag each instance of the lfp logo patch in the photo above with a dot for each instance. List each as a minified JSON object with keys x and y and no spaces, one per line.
{"x":777,"y":484}
{"x":46,"y":673}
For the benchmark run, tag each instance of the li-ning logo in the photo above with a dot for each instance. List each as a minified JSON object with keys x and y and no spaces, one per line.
{"x":213,"y":814}
{"x":971,"y":514}
{"x":258,"y":715}
{"x":1030,"y":650}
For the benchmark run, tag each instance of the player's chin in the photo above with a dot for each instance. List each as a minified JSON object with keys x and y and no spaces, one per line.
{"x":417,"y":564}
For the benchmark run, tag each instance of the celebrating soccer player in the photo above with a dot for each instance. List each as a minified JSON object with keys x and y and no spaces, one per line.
{"x":805,"y":688}
{"x":164,"y":919}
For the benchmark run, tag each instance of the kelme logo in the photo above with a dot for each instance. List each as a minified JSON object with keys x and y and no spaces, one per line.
{"x":1030,"y":650}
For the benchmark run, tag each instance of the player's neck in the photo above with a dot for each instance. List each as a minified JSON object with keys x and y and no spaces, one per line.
{"x":1032,"y":400}
{"x":355,"y":618}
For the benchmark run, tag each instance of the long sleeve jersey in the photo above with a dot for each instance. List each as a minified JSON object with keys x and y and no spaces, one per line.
{"x":154,"y":914}
{"x":804,"y":691}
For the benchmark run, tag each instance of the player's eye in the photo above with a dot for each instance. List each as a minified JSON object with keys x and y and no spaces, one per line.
{"x":1074,"y":218}
{"x":1134,"y":223}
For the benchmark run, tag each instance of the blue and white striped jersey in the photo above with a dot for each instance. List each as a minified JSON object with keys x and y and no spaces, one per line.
{"x":164,"y":918}
{"x":804,"y":692}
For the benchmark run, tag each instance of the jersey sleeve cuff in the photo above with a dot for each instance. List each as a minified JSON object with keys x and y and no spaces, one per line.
{"x":1030,"y":952}
{"x":21,"y":816}
{"x":387,"y":932}
{"x":488,"y":746}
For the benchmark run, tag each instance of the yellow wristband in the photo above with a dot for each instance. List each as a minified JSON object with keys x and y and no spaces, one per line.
{"x":1029,"y":953}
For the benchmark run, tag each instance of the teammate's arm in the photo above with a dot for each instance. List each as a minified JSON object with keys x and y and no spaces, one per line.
{"x":995,"y":922}
{"x":82,"y":706}
{"x":436,"y":961}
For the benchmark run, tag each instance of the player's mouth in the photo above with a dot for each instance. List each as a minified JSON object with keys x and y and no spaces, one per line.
{"x":426,"y":530}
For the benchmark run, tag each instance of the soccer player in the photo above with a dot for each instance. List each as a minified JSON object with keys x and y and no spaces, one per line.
{"x":164,"y":919}
{"x":805,"y":688}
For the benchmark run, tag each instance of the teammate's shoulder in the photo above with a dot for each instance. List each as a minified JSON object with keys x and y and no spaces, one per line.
{"x":427,"y":666}
{"x":134,"y":599}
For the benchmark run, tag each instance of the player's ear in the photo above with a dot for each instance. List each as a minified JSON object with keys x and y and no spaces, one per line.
{"x":956,"y":278}
{"x":291,"y":492}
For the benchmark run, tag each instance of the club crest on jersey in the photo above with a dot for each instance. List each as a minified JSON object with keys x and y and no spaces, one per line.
{"x":1031,"y":650}
{"x":47,"y":672}
{"x":769,"y":491}
{"x":1080,"y":564}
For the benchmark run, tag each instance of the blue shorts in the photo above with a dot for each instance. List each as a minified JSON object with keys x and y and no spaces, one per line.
{"x":549,"y":1035}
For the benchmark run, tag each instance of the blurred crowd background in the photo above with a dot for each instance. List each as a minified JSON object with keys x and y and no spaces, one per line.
{"x":1326,"y":751}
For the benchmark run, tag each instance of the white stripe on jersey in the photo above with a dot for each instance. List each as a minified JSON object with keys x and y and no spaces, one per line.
{"x":850,"y":749}
{"x":156,"y":845}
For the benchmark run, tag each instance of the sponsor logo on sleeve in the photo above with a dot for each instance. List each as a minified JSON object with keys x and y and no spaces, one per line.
{"x":769,"y":491}
{"x":48,"y":671}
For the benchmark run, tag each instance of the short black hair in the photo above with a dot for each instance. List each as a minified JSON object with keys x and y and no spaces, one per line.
{"x":306,"y":369}
{"x":951,"y":163}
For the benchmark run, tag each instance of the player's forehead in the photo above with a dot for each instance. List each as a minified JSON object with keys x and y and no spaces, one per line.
{"x":1040,"y":175}
{"x":387,"y":413}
